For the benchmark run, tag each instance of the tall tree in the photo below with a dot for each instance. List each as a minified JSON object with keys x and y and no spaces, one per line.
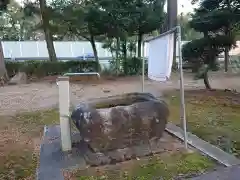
{"x":81,"y":19}
{"x":116,"y":19}
{"x":221,"y":17}
{"x":3,"y":71}
{"x":46,"y":28}
{"x":188,"y":33}
{"x":147,"y":17}
{"x":203,"y":52}
{"x":40,"y":8}
{"x":124,"y":19}
{"x":15,"y":26}
{"x":218,"y":24}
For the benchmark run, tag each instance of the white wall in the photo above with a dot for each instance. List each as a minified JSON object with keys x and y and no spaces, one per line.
{"x":35,"y":49}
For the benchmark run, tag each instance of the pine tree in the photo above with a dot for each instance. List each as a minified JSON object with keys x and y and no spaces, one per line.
{"x":218,"y":20}
{"x":221,"y":17}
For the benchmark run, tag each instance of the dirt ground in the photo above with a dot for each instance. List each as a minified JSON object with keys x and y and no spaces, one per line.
{"x":44,"y":95}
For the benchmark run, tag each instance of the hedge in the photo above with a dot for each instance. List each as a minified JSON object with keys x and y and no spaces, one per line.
{"x":133,"y":66}
{"x":48,"y":68}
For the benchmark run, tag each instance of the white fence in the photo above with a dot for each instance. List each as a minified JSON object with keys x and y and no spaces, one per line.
{"x":64,"y":49}
{"x":38,"y":49}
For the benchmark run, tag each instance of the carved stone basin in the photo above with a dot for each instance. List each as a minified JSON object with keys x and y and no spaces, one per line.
{"x":121,"y":121}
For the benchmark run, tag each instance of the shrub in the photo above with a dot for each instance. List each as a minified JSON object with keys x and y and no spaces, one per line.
{"x":133,"y":66}
{"x":47,"y":68}
{"x":12,"y":67}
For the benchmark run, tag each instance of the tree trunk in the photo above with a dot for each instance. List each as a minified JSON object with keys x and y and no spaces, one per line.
{"x":139,"y":45}
{"x":226,"y":51}
{"x":206,"y":80}
{"x":3,"y":70}
{"x":124,"y":56}
{"x":124,"y":49}
{"x":172,"y":13}
{"x":227,"y":33}
{"x":172,"y":22}
{"x":226,"y":59}
{"x":92,"y":41}
{"x":117,"y":56}
{"x":48,"y":34}
{"x":111,"y":50}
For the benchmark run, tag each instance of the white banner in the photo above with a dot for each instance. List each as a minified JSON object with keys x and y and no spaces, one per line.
{"x":160,"y":57}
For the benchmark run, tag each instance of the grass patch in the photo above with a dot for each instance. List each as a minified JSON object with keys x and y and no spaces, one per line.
{"x":212,"y":115}
{"x":20,"y":136}
{"x":165,"y":166}
{"x":211,"y":118}
{"x":34,"y":122}
{"x":18,"y":164}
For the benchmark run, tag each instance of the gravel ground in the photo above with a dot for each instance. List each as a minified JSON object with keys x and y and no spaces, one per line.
{"x":44,"y":95}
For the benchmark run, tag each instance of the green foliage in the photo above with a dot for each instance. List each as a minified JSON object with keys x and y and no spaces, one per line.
{"x":74,"y":19}
{"x":147,"y":16}
{"x":47,"y":68}
{"x":12,"y":67}
{"x":217,"y":17}
{"x":121,"y":22}
{"x":206,"y":49}
{"x":3,"y":5}
{"x":133,"y":66}
{"x":128,"y":67}
{"x":188,"y":33}
{"x":116,"y":20}
{"x":14,"y":25}
{"x":218,"y":20}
